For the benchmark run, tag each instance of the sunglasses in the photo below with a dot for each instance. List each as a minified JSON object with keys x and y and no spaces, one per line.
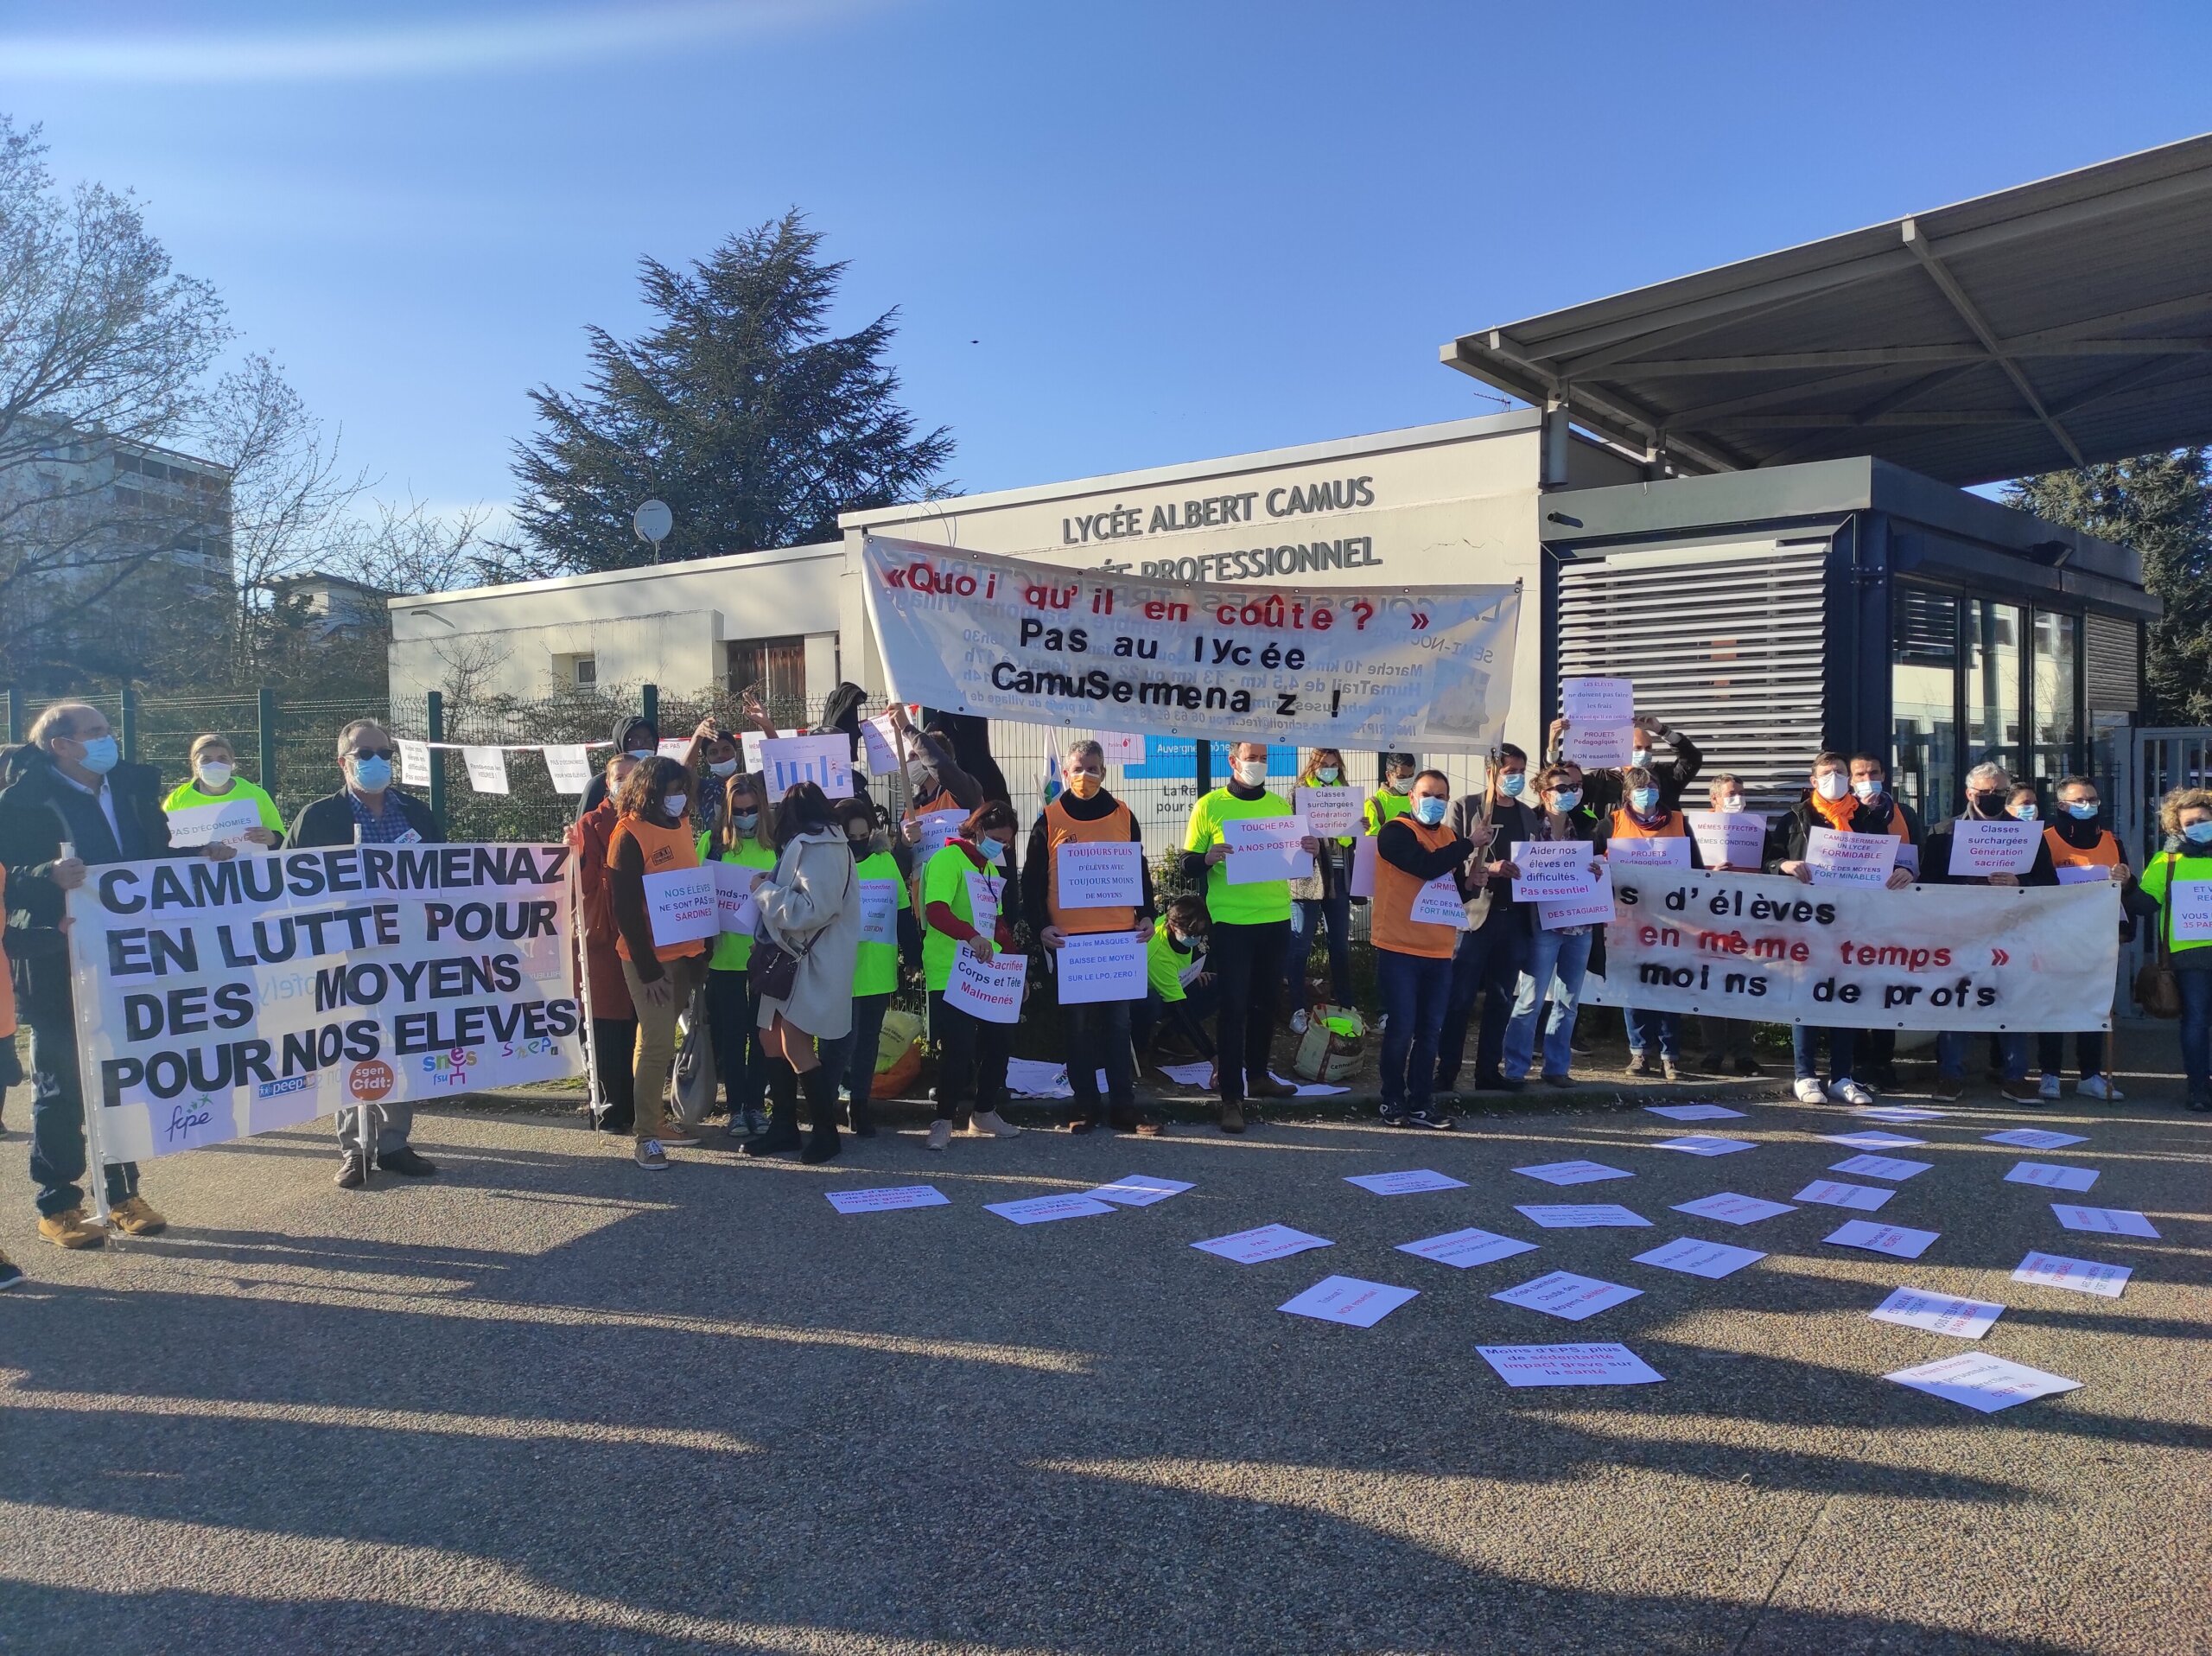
{"x":373,"y":752}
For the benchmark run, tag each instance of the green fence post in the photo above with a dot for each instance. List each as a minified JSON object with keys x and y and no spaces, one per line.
{"x":130,"y":723}
{"x":653,"y":706}
{"x":14,"y":713}
{"x":264,"y":714}
{"x":436,"y":719}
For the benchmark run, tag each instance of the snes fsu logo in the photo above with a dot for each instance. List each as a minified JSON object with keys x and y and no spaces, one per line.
{"x":371,"y":1080}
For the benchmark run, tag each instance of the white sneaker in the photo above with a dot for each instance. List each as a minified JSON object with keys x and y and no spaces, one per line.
{"x":651,"y":1156}
{"x":940,"y":1136}
{"x":990,"y":1122}
{"x":2047,"y":1089}
{"x":2098,"y":1086}
{"x":1849,"y":1092}
{"x":1809,"y":1092}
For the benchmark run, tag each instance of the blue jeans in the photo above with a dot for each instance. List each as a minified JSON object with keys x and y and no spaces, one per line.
{"x":1485,"y":966}
{"x":1648,"y":1028}
{"x":2196,"y":1031}
{"x":1805,"y":1050}
{"x":1952,"y":1047}
{"x":1305,"y":914}
{"x":1414,"y":989}
{"x":1561,"y":955}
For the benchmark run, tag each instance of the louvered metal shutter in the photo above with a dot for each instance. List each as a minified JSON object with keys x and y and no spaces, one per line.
{"x":1726,"y":642}
{"x":2110,"y":657}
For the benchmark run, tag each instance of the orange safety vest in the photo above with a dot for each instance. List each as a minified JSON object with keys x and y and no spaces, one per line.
{"x":2105,"y":854}
{"x":1627,"y":827}
{"x":1392,"y":915}
{"x":7,"y":977}
{"x":1061,"y":829}
{"x":664,"y":851}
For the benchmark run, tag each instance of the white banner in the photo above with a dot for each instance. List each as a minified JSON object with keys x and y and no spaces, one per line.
{"x":1327,"y":667}
{"x":216,"y":1000}
{"x":1762,"y":947}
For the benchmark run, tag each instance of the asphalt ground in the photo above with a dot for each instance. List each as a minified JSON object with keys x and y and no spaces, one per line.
{"x":549,"y":1402}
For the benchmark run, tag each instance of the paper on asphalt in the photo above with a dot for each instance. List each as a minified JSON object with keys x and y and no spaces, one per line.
{"x":2051,"y":1175}
{"x":1577,"y":1365}
{"x":1899,"y":1241}
{"x":1879,"y":1166}
{"x":1982,"y":1382}
{"x":1711,"y":1260}
{"x":1407,"y":1183}
{"x":1261,"y":1243}
{"x":2110,"y":1221}
{"x":1348,"y":1300}
{"x":886,"y":1197}
{"x":1705,"y":1144}
{"x":1138,"y":1190}
{"x":1038,"y":1210}
{"x":2079,"y":1276}
{"x":1576,"y":1216}
{"x":1693,"y":1111}
{"x":1575,"y":1172}
{"x":1564,"y":1295}
{"x":1834,"y":1193}
{"x":2034,"y":1138}
{"x":1733,"y":1209}
{"x":1938,"y":1313}
{"x":1473,"y":1246}
{"x":1871,"y":1140}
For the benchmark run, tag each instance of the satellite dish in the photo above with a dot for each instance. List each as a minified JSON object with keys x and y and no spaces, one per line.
{"x":652,"y":521}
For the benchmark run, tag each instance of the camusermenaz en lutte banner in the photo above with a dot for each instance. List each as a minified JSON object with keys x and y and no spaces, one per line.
{"x":1316,"y":666}
{"x":219,"y":999}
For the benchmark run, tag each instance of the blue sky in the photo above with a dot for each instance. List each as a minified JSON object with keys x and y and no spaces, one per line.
{"x":1118,"y":235}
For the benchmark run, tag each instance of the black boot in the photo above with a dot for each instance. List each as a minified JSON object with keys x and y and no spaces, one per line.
{"x":862,"y":1111}
{"x":783,"y":1113}
{"x":822,"y":1107}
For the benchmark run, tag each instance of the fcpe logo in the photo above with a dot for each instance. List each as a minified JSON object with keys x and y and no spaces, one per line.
{"x":370,"y":1080}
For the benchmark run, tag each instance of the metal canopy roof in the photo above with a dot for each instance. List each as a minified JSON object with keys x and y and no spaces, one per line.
{"x":2055,"y":324}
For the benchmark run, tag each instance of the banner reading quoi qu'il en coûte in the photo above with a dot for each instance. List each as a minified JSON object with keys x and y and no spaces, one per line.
{"x":1931,"y":957}
{"x":1315,"y":666}
{"x":216,"y":1000}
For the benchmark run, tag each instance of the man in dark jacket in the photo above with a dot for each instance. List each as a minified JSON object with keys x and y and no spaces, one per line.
{"x":369,"y":811}
{"x":638,"y":737}
{"x":70,"y":803}
{"x":1602,"y":790}
{"x":1988,"y":787}
{"x":1487,"y":965}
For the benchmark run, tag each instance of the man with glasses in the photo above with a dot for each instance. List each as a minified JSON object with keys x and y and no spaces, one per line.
{"x":369,"y":811}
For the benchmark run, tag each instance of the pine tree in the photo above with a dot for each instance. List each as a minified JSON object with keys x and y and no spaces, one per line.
{"x":2160,"y":504}
{"x":739,"y":409}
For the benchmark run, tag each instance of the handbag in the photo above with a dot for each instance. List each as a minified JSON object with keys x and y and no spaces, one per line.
{"x":2156,"y":992}
{"x":693,"y":1078}
{"x":772,"y":972}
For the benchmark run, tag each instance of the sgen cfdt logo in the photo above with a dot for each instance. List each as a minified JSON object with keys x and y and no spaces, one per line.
{"x":371,"y":1080}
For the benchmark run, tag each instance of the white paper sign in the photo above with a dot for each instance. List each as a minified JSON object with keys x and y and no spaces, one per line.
{"x":1832,"y":1192}
{"x":1693,"y":1111}
{"x":1098,"y":874}
{"x":2051,"y":1175}
{"x":1348,"y":1299}
{"x":1601,"y":716}
{"x":880,"y":911}
{"x":1705,"y":1144}
{"x":222,"y":824}
{"x":569,"y":768}
{"x":1407,"y":1183}
{"x":989,"y":990}
{"x":1580,"y":1216}
{"x":1331,"y":812}
{"x":1437,"y":903}
{"x":1464,"y":1249}
{"x":824,"y":761}
{"x":1042,"y":1210}
{"x":1123,"y":746}
{"x":1265,"y":847}
{"x":674,"y":747}
{"x":983,"y":893}
{"x":2080,"y":874}
{"x":1734,"y":839}
{"x":880,"y":745}
{"x":1100,"y":966}
{"x":1842,"y":859}
{"x":1879,"y":1166}
{"x":487,"y":768}
{"x":1575,"y":1172}
{"x":748,"y":743}
{"x":2033,"y":1138}
{"x":1731,"y":1208}
{"x":937,"y":828}
{"x":1899,"y":1241}
{"x":1581,"y":1364}
{"x":1983,"y":1383}
{"x":886,"y":1199}
{"x":1871,"y":1140}
{"x":1711,"y":1260}
{"x":1552,"y":869}
{"x":2107,"y":1221}
{"x":414,"y":762}
{"x":681,"y":904}
{"x":2188,"y":906}
{"x":1263,"y":1242}
{"x":2079,"y":1276}
{"x":1964,"y":1319}
{"x":1139,"y":1190}
{"x":1596,"y":909}
{"x":1662,"y":851}
{"x":1565,"y":1295}
{"x":1363,"y":859}
{"x":1982,"y":849}
{"x":735,"y":908}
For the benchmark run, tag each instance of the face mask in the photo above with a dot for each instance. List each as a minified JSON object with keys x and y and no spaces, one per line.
{"x":722,"y":767}
{"x":1083,"y":785}
{"x":372,"y":775}
{"x":1644,"y":799}
{"x":1397,"y":783}
{"x":1566,"y":798}
{"x":2198,"y":833}
{"x":746,"y":821}
{"x":674,"y":804}
{"x":215,"y":775}
{"x":920,"y":778}
{"x":1177,"y":941}
{"x":1327,"y":773}
{"x":1429,"y":809}
{"x":1640,"y":755}
{"x":2022,"y":812}
{"x":101,"y":754}
{"x":1252,"y":772}
{"x":1733,"y":802}
{"x":995,"y":850}
{"x":1988,"y":805}
{"x":1866,"y":788}
{"x":2082,"y":812}
{"x":860,"y":843}
{"x":640,"y":754}
{"x":1831,"y":784}
{"x":1512,"y":783}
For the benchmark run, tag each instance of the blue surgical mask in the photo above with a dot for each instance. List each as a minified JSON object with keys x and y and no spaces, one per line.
{"x":1640,"y":755}
{"x":2081,"y":813}
{"x":995,"y":850}
{"x":372,"y":775}
{"x":1429,"y":809}
{"x":2022,"y":812}
{"x":1512,"y":782}
{"x":1644,"y":799}
{"x":2198,"y":833}
{"x":1567,"y":798}
{"x":640,"y":753}
{"x":101,"y":754}
{"x":745,"y":820}
{"x":1866,"y":788}
{"x":1326,"y":773}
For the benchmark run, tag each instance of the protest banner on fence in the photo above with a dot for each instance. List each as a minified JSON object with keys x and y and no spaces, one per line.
{"x":216,"y":1000}
{"x":1942,"y":957}
{"x":1328,"y":667}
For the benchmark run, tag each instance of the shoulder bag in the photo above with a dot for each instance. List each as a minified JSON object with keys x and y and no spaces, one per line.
{"x":772,"y":972}
{"x":2156,"y":992}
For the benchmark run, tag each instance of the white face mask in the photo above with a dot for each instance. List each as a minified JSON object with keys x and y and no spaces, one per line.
{"x":723,"y":768}
{"x":1252,"y":772}
{"x":215,"y":775}
{"x":677,"y":802}
{"x":1831,"y":785}
{"x":1733,"y":802}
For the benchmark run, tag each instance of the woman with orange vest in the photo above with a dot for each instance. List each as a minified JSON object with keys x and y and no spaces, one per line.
{"x":1416,"y":915}
{"x":1097,"y":1032}
{"x":1642,"y":814}
{"x":652,"y":834}
{"x":2081,"y":850}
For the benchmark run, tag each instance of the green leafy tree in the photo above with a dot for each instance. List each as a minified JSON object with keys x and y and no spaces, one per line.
{"x":740,"y":410}
{"x":2160,"y":504}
